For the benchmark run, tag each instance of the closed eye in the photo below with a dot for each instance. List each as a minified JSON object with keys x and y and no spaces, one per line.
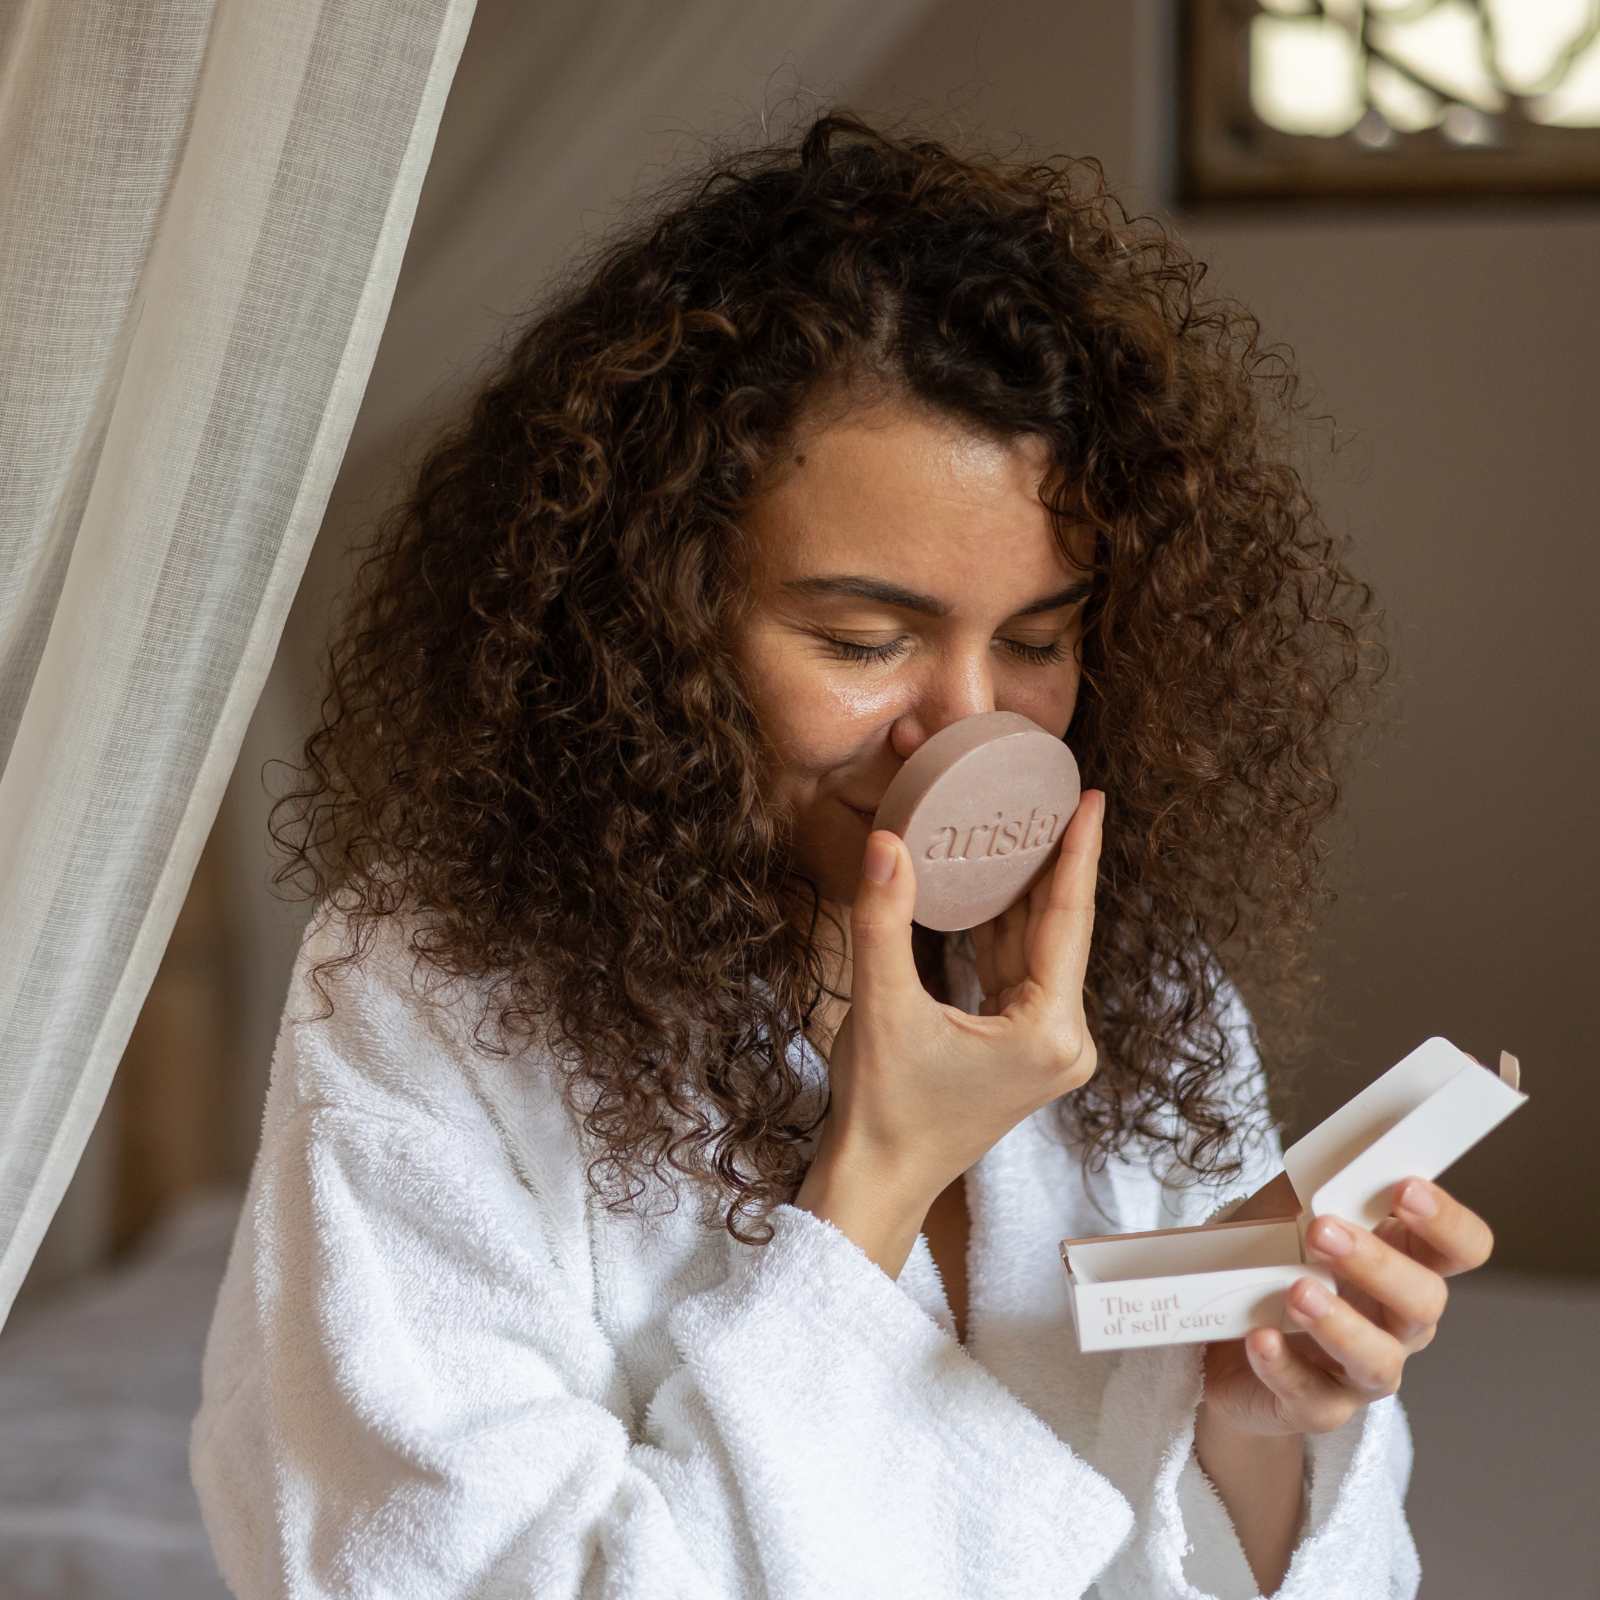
{"x":846,"y":650}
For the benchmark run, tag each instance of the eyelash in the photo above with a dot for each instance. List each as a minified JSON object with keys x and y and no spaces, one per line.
{"x":1038,"y":654}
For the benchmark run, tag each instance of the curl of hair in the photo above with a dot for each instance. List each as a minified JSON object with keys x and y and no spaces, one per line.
{"x":536,"y":744}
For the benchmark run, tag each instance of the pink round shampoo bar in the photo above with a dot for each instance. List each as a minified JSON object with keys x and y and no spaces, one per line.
{"x":981,"y":806}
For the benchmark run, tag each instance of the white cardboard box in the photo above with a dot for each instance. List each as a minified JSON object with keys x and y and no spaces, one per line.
{"x":1219,"y":1280}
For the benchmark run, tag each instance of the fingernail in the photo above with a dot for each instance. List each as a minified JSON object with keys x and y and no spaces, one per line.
{"x":1331,"y":1239}
{"x":879,"y":864}
{"x":1418,"y":1201}
{"x":1311,"y":1298}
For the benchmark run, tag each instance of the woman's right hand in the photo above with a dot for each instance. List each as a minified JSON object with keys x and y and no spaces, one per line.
{"x":921,"y":1089}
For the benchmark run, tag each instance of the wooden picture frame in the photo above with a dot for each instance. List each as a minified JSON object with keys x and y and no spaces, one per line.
{"x":1228,"y":154}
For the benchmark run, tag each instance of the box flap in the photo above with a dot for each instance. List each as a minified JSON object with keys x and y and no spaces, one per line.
{"x":1420,"y":1145}
{"x":1413,"y":1121}
{"x":1510,"y":1069}
{"x":1335,"y":1142}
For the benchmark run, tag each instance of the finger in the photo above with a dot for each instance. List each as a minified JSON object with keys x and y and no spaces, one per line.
{"x":1413,"y":1295}
{"x":1309,"y":1399}
{"x":1011,"y":946}
{"x":1000,"y":949}
{"x":1058,"y":953}
{"x":882,"y":964}
{"x":1413,"y":1335}
{"x":1397,"y":1234}
{"x":1370,"y":1357}
{"x":1038,"y":898}
{"x":1454,"y":1239}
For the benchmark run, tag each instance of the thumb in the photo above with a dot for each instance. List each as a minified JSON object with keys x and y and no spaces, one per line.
{"x":882,"y":963}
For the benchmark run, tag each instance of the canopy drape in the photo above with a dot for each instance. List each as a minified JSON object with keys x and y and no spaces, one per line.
{"x":203,"y":209}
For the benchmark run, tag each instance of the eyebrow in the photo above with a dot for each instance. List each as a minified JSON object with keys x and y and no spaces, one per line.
{"x":891,"y":594}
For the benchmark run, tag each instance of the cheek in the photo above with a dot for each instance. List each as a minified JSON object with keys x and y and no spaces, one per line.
{"x":1060,"y":704}
{"x":813,"y":710}
{"x":820,"y":720}
{"x":1046,"y":696}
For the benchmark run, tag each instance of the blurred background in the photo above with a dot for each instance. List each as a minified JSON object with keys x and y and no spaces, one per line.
{"x":1415,"y":218}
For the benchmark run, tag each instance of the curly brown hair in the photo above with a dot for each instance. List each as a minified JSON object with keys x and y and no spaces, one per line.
{"x":539,"y":748}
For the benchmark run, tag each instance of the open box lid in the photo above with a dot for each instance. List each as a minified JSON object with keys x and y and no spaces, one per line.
{"x":1413,"y":1121}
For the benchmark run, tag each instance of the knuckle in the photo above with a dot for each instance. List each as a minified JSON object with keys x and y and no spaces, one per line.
{"x":1365,"y":1377}
{"x":1332,"y":1415}
{"x":1075,"y":1067}
{"x":1388,"y":1381}
{"x":1441,"y":1300}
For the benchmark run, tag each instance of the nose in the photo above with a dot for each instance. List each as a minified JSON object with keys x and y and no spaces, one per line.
{"x":961,"y":691}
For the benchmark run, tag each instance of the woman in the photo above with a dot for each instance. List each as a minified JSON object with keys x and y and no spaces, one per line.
{"x":848,"y":441}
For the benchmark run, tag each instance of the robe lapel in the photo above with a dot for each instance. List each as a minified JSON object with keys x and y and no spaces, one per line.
{"x":1027,"y":1193}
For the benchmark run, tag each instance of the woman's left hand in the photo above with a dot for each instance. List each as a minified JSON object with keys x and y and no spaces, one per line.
{"x":1391,"y":1297}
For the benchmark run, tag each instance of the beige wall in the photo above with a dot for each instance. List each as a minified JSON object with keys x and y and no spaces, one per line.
{"x":1454,"y":348}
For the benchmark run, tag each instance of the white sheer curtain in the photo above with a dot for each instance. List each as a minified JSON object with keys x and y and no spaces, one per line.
{"x":203,"y":209}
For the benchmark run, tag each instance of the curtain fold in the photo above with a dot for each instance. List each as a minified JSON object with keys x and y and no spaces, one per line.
{"x":203,"y":209}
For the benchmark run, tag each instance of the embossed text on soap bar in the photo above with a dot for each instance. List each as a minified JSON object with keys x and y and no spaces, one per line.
{"x":1038,"y":831}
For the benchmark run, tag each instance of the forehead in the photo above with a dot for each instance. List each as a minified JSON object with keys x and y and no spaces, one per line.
{"x":896,"y":490}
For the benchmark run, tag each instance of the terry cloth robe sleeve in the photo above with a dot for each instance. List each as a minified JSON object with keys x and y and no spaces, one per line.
{"x":407,"y":1393}
{"x":1354,"y":1542}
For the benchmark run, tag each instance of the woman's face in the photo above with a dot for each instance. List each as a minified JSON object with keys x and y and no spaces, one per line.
{"x":942,"y":537}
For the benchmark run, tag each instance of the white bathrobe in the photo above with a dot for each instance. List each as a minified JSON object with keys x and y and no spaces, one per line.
{"x":439,"y":1369}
